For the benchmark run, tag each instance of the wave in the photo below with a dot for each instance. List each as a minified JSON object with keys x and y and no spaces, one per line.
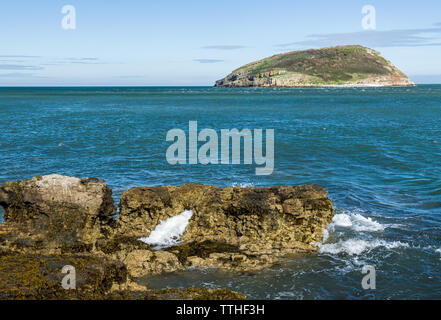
{"x":242,"y":184}
{"x":356,"y":222}
{"x":341,"y":230}
{"x":168,"y":233}
{"x":357,"y":246}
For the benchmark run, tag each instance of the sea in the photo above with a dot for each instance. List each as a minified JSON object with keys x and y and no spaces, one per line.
{"x":376,"y":150}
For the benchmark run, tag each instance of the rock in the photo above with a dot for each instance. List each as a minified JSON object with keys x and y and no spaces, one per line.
{"x":30,"y":276}
{"x":144,"y":262}
{"x":64,"y":209}
{"x":271,"y":221}
{"x":278,"y":215}
{"x":138,"y":256}
{"x":130,"y":285}
{"x":53,"y":220}
{"x":194,"y":294}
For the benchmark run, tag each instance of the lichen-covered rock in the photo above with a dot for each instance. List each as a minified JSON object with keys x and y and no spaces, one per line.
{"x":257,"y":223}
{"x":64,"y":209}
{"x":194,"y":294}
{"x":279,"y":215}
{"x":57,"y":218}
{"x":31,"y":276}
{"x":145,"y":262}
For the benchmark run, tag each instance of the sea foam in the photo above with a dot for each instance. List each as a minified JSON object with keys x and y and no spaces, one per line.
{"x":353,"y":246}
{"x":357,"y":246}
{"x":169,"y":232}
{"x":356,"y":222}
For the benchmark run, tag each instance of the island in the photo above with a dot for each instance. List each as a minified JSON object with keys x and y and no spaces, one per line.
{"x":341,"y":66}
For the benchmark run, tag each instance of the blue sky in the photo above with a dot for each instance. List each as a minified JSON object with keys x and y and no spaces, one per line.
{"x":196,"y":42}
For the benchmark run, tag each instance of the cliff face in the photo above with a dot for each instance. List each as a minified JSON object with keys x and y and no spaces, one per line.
{"x":343,"y":66}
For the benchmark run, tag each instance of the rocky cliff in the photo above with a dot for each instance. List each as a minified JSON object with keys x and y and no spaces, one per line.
{"x":55,"y":220}
{"x":342,"y":66}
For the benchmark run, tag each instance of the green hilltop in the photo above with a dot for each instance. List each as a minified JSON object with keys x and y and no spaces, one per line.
{"x":335,"y":66}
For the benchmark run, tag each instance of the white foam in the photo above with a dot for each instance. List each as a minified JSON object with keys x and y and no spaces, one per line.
{"x":357,"y":246}
{"x":439,"y":251}
{"x":242,"y":184}
{"x":342,"y":220}
{"x":325,"y":235}
{"x":356,"y":222}
{"x":169,"y":232}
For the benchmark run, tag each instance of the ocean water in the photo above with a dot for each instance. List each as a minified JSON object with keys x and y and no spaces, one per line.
{"x":376,"y":150}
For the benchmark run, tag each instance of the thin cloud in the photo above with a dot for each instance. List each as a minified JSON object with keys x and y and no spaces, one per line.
{"x":131,"y":77}
{"x":11,"y":60}
{"x":18,"y":56}
{"x":389,"y":38}
{"x":224,"y":47}
{"x":20,"y":75}
{"x":208,"y":60}
{"x":82,"y":59}
{"x":18,"y":67}
{"x":15,"y":75}
{"x":71,"y":60}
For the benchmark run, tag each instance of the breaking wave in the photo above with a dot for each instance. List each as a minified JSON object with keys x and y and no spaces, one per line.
{"x":168,"y":233}
{"x":358,"y":246}
{"x":356,"y":222}
{"x":349,"y":233}
{"x":242,"y":184}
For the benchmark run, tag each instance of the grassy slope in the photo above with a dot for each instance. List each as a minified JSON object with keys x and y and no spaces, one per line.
{"x":329,"y":65}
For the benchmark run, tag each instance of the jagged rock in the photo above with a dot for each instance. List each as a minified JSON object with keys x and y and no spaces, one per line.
{"x":55,"y":217}
{"x":259,"y":223}
{"x":283,"y":214}
{"x":144,"y":262}
{"x":66,"y":210}
{"x":194,"y":294}
{"x":31,"y":276}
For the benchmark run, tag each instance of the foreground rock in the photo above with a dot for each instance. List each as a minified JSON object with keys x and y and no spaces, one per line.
{"x":52,"y":221}
{"x":29,"y":276}
{"x":65,"y":211}
{"x":342,"y":66}
{"x":233,"y":228}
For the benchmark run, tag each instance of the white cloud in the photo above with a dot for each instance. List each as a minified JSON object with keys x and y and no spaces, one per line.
{"x":208,"y":60}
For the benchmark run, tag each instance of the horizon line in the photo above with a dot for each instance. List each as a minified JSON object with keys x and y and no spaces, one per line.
{"x":165,"y":86}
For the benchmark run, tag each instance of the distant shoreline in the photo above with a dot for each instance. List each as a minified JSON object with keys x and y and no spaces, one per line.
{"x":324,"y":86}
{"x":211,"y":86}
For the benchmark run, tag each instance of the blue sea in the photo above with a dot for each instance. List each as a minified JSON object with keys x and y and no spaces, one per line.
{"x":377,"y":151}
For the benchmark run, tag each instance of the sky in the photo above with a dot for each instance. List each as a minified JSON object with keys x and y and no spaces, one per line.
{"x":195,"y":43}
